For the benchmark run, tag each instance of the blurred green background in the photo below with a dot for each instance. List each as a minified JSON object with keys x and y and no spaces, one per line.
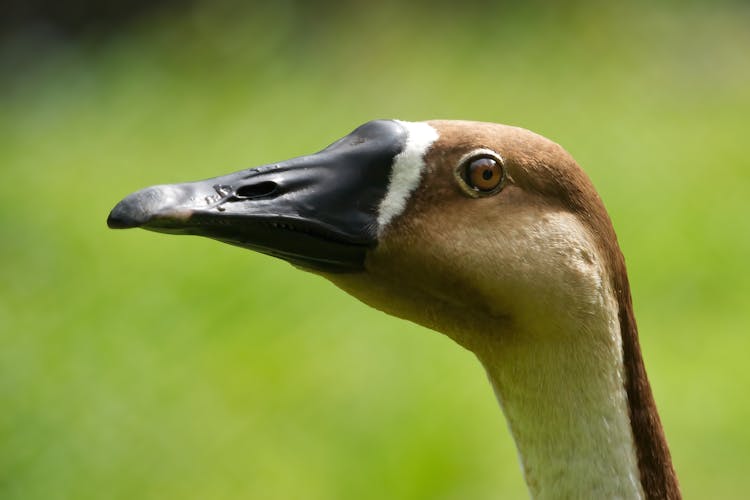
{"x":136,"y":365}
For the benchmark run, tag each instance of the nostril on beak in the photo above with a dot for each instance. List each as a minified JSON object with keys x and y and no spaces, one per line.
{"x":259,"y":190}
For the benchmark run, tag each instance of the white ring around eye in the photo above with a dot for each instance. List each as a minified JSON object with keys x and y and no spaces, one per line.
{"x":460,"y":172}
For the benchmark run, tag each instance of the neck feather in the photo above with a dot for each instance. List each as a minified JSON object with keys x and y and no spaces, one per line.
{"x":578,"y":402}
{"x":574,"y":191}
{"x":561,"y":385}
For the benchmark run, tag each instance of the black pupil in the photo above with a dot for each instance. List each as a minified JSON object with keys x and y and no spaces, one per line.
{"x":487,"y":174}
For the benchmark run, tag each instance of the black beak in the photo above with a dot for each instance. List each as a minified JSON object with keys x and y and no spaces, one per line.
{"x":318,"y":211}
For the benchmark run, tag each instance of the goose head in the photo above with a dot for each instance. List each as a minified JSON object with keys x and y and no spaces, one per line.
{"x":426,"y":221}
{"x":490,"y":234}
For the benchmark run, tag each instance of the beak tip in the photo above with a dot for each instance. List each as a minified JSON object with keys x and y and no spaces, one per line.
{"x":122,"y":219}
{"x":143,"y":207}
{"x":130,"y":212}
{"x":114,"y":222}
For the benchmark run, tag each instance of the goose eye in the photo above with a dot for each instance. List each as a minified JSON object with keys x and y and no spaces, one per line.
{"x":482,"y":175}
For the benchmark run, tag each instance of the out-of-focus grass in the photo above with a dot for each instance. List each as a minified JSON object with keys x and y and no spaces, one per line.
{"x":134,"y":365}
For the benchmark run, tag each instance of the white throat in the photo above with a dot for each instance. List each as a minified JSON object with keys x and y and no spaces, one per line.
{"x":559,"y":378}
{"x":573,"y":436}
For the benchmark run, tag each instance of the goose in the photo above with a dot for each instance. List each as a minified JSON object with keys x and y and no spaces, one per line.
{"x":488,"y":233}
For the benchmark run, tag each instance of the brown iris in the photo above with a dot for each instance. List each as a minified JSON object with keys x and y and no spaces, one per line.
{"x":480,"y":173}
{"x":484,"y":174}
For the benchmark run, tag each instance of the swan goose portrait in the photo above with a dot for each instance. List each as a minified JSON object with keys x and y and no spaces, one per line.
{"x":490,"y":234}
